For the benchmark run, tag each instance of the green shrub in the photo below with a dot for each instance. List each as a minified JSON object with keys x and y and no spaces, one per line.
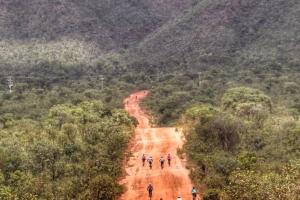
{"x":211,"y":195}
{"x":250,"y":185}
{"x":246,"y":101}
{"x":102,"y":188}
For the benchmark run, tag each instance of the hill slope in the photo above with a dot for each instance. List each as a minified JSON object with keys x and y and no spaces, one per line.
{"x":190,"y":34}
{"x":109,"y":23}
{"x":234,"y":32}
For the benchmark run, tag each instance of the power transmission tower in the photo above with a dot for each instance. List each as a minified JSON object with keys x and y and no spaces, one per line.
{"x":10,"y":83}
{"x":102,"y":81}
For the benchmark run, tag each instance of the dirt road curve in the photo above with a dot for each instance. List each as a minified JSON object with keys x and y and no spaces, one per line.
{"x":169,"y":182}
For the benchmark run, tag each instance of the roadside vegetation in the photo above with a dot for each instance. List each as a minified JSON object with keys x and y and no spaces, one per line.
{"x":62,"y":136}
{"x":243,"y":148}
{"x":242,"y":129}
{"x":72,"y":152}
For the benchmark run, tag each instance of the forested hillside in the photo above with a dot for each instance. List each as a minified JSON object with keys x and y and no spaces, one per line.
{"x":227,"y":71}
{"x":74,"y":33}
{"x":254,"y":33}
{"x":110,"y":24}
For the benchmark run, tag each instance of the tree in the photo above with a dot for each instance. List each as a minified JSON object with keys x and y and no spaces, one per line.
{"x":226,"y":129}
{"x":246,"y":102}
{"x":46,"y":154}
{"x":22,"y":186}
{"x":252,"y":185}
{"x":102,"y":187}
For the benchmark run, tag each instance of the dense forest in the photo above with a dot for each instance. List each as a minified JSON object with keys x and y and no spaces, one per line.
{"x":244,"y":148}
{"x":73,"y":152}
{"x":227,"y":71}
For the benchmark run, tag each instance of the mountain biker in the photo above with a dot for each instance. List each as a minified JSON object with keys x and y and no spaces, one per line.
{"x":150,"y":161}
{"x":169,"y":159}
{"x":194,"y":193}
{"x":179,"y":198}
{"x":143,"y":159}
{"x":150,"y":190}
{"x":162,"y":161}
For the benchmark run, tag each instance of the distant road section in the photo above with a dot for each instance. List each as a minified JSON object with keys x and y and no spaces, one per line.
{"x":168,"y":182}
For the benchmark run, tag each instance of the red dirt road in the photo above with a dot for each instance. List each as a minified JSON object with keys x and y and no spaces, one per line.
{"x":169,"y":182}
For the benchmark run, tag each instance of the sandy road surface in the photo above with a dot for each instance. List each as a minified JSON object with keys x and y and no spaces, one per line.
{"x":169,"y":182}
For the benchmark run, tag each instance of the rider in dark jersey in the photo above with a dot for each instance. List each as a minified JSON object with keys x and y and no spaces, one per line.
{"x":162,"y":161}
{"x":150,"y":161}
{"x":169,"y":159}
{"x":143,"y":159}
{"x":150,"y":190}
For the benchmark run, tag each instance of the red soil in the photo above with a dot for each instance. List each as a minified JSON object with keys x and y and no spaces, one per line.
{"x":169,"y":182}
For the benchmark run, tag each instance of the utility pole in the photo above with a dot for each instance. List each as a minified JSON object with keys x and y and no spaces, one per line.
{"x":199,"y":78}
{"x":102,"y":81}
{"x":158,"y":75}
{"x":10,"y":83}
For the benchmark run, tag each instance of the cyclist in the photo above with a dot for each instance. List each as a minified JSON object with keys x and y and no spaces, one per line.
{"x":194,"y":193}
{"x":162,"y":161}
{"x":143,"y":159}
{"x":150,"y":190}
{"x":150,"y":161}
{"x":169,"y":159}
